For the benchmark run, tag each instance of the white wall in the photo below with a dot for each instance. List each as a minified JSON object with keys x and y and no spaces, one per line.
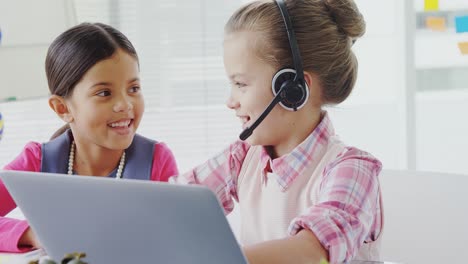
{"x":442,"y":134}
{"x":28,"y":27}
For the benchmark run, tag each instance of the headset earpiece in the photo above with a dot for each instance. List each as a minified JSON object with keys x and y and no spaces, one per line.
{"x":296,"y":94}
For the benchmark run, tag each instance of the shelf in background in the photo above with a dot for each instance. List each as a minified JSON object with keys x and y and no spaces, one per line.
{"x":452,"y":80}
{"x":447,"y":18}
{"x":439,"y":49}
{"x":449,"y":97}
{"x":444,"y":5}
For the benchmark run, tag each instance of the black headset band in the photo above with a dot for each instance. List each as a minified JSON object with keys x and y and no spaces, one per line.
{"x":292,"y":42}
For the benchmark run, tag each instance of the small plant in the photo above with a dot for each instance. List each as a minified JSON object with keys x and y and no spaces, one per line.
{"x":323,"y":261}
{"x":73,"y":258}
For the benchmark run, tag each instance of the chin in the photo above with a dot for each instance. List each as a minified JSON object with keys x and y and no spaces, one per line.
{"x":252,"y":140}
{"x":121,"y":144}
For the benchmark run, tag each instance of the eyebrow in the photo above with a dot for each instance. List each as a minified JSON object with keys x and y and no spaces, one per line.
{"x":101,"y":83}
{"x":233,"y":76}
{"x":134,"y":80}
{"x":110,"y":84}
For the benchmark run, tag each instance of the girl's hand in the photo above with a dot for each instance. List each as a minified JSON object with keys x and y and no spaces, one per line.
{"x":28,"y":239}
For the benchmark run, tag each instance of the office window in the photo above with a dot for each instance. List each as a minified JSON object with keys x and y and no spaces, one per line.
{"x":179,"y":43}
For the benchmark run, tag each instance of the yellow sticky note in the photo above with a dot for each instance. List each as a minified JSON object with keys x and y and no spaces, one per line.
{"x":431,"y":5}
{"x":463,"y":46}
{"x":436,"y":23}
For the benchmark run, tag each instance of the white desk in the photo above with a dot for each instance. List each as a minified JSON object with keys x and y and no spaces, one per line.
{"x":21,"y":258}
{"x":24,"y":258}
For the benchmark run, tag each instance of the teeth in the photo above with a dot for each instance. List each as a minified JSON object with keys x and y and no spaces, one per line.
{"x":244,"y":120}
{"x":120,"y":124}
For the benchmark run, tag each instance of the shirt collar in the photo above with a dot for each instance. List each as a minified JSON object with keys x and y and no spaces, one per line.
{"x":288,"y":167}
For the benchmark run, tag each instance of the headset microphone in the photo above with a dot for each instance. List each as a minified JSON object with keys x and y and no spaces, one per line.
{"x":249,"y":130}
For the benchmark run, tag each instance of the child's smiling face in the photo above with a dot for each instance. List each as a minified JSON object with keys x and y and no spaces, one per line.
{"x":251,"y":92}
{"x":106,"y":105}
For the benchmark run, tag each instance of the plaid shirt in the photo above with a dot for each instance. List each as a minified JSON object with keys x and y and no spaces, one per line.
{"x":348,"y":211}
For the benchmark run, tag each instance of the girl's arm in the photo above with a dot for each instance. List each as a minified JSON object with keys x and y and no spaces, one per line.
{"x":219,"y":174}
{"x":164,"y":163}
{"x":11,"y":232}
{"x":304,"y":247}
{"x":347,"y":214}
{"x":348,"y":211}
{"x":14,"y":233}
{"x":29,"y":240}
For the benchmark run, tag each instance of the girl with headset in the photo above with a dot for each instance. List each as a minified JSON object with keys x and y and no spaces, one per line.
{"x":303,"y":194}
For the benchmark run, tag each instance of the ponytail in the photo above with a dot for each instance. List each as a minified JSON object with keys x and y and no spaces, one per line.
{"x":60,"y":131}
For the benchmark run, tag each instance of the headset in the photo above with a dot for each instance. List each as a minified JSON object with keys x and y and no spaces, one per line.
{"x":288,"y":84}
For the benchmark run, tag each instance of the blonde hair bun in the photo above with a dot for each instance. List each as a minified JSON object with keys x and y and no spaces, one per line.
{"x":347,"y":17}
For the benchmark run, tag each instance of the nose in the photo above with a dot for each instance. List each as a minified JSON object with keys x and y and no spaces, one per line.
{"x":232,"y":103}
{"x":123,"y":104}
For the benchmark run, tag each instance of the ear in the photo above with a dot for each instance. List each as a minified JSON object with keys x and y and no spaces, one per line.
{"x":315,"y":88}
{"x":59,"y":105}
{"x":308,"y":79}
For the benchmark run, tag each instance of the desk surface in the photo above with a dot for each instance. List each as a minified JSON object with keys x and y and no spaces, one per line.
{"x":21,"y":258}
{"x":24,"y":258}
{"x":372,"y":262}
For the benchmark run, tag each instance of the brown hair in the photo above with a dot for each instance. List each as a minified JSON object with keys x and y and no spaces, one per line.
{"x":77,"y":50}
{"x":325,"y":31}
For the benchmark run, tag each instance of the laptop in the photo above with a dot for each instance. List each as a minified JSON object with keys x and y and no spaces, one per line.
{"x":124,"y":221}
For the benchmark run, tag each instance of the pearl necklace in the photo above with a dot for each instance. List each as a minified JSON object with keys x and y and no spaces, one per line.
{"x":71,"y":159}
